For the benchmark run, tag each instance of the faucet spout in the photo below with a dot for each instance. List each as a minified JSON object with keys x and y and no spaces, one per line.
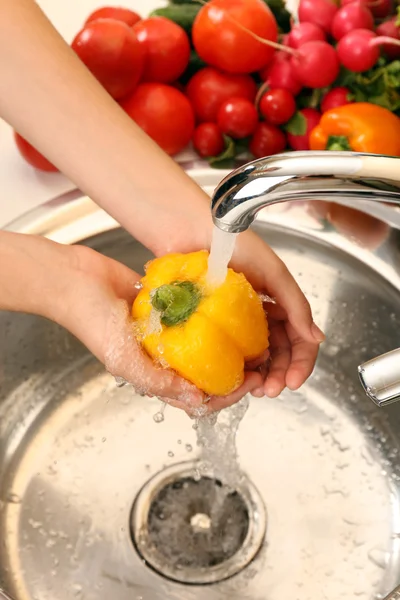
{"x":296,"y":176}
{"x":303,"y":176}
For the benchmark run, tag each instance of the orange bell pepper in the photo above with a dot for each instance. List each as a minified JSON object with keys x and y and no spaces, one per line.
{"x":361,"y":127}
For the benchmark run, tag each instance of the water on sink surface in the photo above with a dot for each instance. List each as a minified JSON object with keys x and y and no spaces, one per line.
{"x":75,"y":451}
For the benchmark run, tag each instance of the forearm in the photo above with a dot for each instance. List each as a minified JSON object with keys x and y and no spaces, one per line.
{"x":50,"y":97}
{"x":33,"y":274}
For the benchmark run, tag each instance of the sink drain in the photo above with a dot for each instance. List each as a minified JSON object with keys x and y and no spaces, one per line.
{"x":196,"y":530}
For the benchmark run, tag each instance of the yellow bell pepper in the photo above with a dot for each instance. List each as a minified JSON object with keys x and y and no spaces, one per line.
{"x":204,"y":334}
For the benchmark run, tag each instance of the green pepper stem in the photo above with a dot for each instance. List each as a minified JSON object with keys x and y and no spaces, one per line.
{"x":338,"y":143}
{"x":176,"y":302}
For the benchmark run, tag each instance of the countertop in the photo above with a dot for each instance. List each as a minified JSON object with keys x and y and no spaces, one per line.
{"x":22,"y":187}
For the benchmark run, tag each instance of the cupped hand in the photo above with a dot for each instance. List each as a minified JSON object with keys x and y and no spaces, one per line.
{"x":101,"y":292}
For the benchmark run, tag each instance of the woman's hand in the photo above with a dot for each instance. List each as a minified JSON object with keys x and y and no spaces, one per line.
{"x":98,"y":313}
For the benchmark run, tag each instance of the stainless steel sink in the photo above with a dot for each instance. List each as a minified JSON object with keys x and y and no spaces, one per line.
{"x":83,"y":462}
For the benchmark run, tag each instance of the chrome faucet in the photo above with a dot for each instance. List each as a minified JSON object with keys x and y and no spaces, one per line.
{"x":323,"y":176}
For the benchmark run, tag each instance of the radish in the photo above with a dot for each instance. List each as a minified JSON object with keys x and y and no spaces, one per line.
{"x":358,"y":50}
{"x":335,"y":97}
{"x":379,"y":8}
{"x":316,"y":64}
{"x":300,"y":127}
{"x":281,"y":74}
{"x":355,"y":51}
{"x":305,"y":32}
{"x":389,"y":28}
{"x":351,"y":16}
{"x":319,"y":12}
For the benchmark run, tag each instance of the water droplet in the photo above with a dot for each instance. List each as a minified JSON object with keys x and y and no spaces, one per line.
{"x":179,"y":442}
{"x":158,"y":417}
{"x":13,"y":498}
{"x":188,"y":447}
{"x":120,"y":381}
{"x":138,"y":285}
{"x":170,"y":453}
{"x":103,"y":439}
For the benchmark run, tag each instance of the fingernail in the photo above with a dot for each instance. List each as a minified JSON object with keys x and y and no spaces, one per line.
{"x":258,"y":392}
{"x":317,"y":333}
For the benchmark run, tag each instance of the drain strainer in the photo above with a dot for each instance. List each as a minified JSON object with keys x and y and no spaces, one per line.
{"x":196,"y":530}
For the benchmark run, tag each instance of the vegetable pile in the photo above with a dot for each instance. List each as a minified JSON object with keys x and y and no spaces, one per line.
{"x":240,"y":79}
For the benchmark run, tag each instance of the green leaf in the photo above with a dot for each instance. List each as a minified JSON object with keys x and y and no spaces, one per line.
{"x":194,"y":65}
{"x":297,"y":124}
{"x":181,"y":14}
{"x":380,"y":85}
{"x":226,"y":158}
{"x":281,"y":14}
{"x":397,"y":22}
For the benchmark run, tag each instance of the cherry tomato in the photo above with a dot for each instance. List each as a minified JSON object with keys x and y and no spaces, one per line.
{"x":32,"y":156}
{"x":299,"y":141}
{"x":334,"y":98}
{"x":390,"y":29}
{"x":220,"y":38}
{"x":113,"y":12}
{"x":237,"y":118}
{"x":209,"y":88}
{"x":208,"y":139}
{"x":277,"y":106}
{"x":166,"y":49}
{"x":111,"y":51}
{"x":164,"y":113}
{"x":267,"y":140}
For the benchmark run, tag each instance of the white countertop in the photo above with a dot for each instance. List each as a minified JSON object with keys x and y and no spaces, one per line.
{"x":22,"y":187}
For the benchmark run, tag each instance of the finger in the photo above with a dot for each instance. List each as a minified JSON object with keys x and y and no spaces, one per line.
{"x":252,"y":380}
{"x":257,"y":260}
{"x":253,"y":365}
{"x":281,"y":354}
{"x":304,"y":355}
{"x":125,"y":358}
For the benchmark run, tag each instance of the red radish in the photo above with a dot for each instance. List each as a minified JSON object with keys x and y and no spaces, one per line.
{"x":319,"y":12}
{"x":308,"y":118}
{"x":335,"y":97}
{"x":379,"y":8}
{"x":316,"y":64}
{"x":305,"y":32}
{"x":281,"y":74}
{"x":389,"y":28}
{"x":356,"y":52}
{"x":352,"y":16}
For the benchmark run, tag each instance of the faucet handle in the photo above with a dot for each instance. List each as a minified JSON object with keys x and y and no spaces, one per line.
{"x":380,"y":378}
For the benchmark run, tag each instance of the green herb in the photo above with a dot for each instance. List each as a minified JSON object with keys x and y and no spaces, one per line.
{"x":195,"y":64}
{"x":297,"y":124}
{"x":225,"y":160}
{"x":380,"y":85}
{"x":281,"y":14}
{"x":181,"y":14}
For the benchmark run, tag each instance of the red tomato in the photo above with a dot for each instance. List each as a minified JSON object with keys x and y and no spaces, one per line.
{"x":267,"y":140}
{"x":277,"y":106}
{"x":111,"y":51}
{"x":32,"y":156}
{"x":166,"y":49}
{"x":220,"y":38}
{"x":164,"y":113}
{"x":237,"y":118}
{"x":208,"y":139}
{"x":209,"y":88}
{"x":113,"y":12}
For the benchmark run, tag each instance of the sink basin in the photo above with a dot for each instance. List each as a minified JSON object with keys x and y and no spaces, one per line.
{"x":85,"y":466}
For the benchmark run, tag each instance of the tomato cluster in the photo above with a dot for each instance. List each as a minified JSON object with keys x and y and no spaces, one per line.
{"x":213,"y":74}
